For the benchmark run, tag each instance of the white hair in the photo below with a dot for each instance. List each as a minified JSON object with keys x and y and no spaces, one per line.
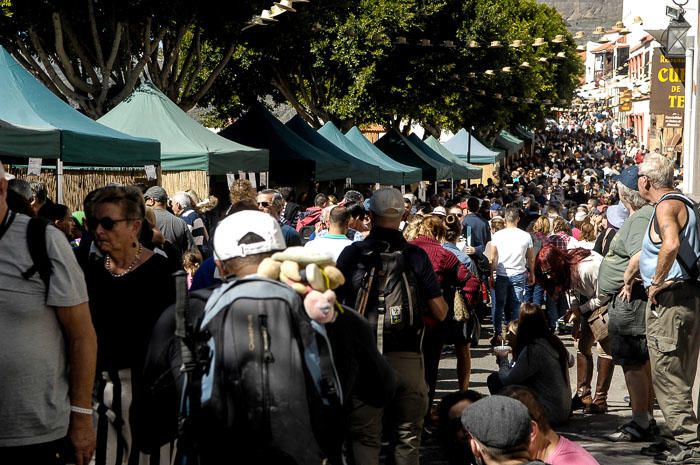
{"x":183,"y":199}
{"x":658,"y":169}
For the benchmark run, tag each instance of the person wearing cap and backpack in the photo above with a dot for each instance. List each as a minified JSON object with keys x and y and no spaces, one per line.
{"x":391,"y":283}
{"x":272,"y":388}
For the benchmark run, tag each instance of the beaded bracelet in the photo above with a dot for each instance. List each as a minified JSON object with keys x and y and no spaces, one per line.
{"x":81,"y":410}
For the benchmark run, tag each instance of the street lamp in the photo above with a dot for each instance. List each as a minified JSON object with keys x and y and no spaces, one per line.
{"x":673,"y":38}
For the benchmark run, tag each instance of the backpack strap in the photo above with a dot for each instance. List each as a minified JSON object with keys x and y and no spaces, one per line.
{"x":36,"y":242}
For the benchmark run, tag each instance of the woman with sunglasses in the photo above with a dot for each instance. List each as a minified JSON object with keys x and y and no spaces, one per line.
{"x":576,"y":271}
{"x":128,"y":287}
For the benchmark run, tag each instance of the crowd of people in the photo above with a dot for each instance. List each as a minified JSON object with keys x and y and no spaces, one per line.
{"x":587,"y":236}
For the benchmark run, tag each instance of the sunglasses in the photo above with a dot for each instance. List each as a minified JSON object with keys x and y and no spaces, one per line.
{"x":106,"y":222}
{"x":264,"y":204}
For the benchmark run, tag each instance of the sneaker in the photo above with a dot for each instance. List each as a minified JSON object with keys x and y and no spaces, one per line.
{"x":631,"y":432}
{"x":682,"y":457}
{"x":656,"y":449}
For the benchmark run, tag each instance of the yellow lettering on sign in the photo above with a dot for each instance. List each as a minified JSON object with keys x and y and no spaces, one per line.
{"x":663,"y":75}
{"x":676,"y":101}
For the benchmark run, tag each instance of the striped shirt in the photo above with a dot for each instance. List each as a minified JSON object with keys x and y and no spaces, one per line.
{"x":196,"y":226}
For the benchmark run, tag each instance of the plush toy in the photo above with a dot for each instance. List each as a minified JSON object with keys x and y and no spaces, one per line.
{"x":311,"y":275}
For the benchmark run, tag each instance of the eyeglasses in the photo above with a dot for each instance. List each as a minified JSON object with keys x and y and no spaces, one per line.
{"x":264,"y":204}
{"x":106,"y":222}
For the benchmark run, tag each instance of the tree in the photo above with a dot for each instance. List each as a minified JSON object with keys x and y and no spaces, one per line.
{"x":94,"y":53}
{"x":342,"y":61}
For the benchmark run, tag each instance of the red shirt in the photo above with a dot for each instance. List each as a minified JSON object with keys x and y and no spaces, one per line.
{"x":450,"y":272}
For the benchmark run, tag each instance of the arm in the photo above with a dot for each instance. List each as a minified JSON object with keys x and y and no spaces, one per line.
{"x":438,"y":308}
{"x":531,"y":266}
{"x":494,"y":264}
{"x":631,"y":273}
{"x":82,"y":355}
{"x":669,"y":231}
{"x":523,"y":369}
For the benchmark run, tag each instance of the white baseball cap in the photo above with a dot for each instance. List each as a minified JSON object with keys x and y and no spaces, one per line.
{"x":387,"y":202}
{"x":247,"y":232}
{"x":439,"y":211}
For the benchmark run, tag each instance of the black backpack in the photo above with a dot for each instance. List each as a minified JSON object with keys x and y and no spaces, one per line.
{"x":387,"y":297}
{"x":36,"y":243}
{"x":271,"y":385}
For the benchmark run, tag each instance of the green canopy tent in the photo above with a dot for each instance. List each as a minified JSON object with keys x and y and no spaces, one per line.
{"x":66,"y":135}
{"x":185,"y":144}
{"x":509,"y":142}
{"x":390,"y":171}
{"x":523,"y":133}
{"x":459,"y":169}
{"x":398,"y":147}
{"x":359,"y":172}
{"x":291,"y":157}
{"x":470,"y":149}
{"x":475,"y":172}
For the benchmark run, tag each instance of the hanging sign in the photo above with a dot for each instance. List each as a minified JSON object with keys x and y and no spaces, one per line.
{"x":348,"y":182}
{"x":251,"y":178}
{"x":241,"y":175}
{"x":34,"y":167}
{"x":230,"y":179}
{"x":151,"y":172}
{"x":263,"y":179}
{"x":421,"y":191}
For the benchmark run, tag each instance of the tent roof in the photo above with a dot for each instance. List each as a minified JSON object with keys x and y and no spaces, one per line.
{"x":360,"y":171}
{"x":407,"y":174}
{"x":184,"y":143}
{"x":474,"y":172}
{"x":523,"y":132}
{"x":398,"y":147}
{"x":479,"y":154}
{"x":509,"y":142}
{"x":65,"y":133}
{"x":458,"y":168}
{"x":289,"y":153}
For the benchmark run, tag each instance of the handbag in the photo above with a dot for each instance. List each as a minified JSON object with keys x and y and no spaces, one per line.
{"x":461,"y":312}
{"x":598,"y":322}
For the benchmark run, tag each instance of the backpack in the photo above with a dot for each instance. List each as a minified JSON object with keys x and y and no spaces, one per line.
{"x":309,"y":217}
{"x":305,"y":233}
{"x":387,"y":297}
{"x":271,"y":383}
{"x":687,"y":258}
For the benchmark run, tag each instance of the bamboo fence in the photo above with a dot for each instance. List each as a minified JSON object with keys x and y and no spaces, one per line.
{"x":176,"y":181}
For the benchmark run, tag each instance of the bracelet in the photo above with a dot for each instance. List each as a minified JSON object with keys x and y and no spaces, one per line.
{"x":80,"y":410}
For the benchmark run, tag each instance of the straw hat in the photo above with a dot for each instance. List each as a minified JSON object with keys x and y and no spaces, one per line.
{"x":624,"y":31}
{"x":539,"y":42}
{"x":495,"y":44}
{"x":513,"y":99}
{"x":543,"y":60}
{"x":579,"y":35}
{"x":489,"y":72}
{"x":425,"y":43}
{"x":599,"y":31}
{"x":558,"y":39}
{"x":618,"y":25}
{"x":474,"y":44}
{"x":448,"y":44}
{"x":471,"y":75}
{"x":517,"y":43}
{"x":267,"y":16}
{"x":525,"y":65}
{"x":603,"y":40}
{"x":498,"y":96}
{"x":506,"y":69}
{"x":638,"y":20}
{"x":581,"y":48}
{"x":560,"y":56}
{"x":547,"y":101}
{"x":401,"y":40}
{"x":529,"y":100}
{"x":482,"y":92}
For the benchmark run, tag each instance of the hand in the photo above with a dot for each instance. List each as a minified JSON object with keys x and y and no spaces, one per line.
{"x":626,"y":292}
{"x":469,"y":250}
{"x":653,"y":290}
{"x":82,"y":436}
{"x":531,"y":279}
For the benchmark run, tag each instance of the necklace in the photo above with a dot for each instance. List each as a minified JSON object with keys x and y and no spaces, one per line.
{"x":108,"y":264}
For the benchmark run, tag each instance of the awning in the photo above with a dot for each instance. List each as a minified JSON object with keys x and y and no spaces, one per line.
{"x":475,"y":172}
{"x":474,"y":152}
{"x":398,"y":147}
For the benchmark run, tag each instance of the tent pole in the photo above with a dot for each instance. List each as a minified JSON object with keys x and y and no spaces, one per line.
{"x":469,"y":153}
{"x":59,"y":180}
{"x":452,"y":187}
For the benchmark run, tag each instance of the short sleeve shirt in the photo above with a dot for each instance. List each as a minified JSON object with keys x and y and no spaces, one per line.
{"x":34,"y":402}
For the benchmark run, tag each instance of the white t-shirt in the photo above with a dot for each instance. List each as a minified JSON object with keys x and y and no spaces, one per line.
{"x":512,"y":245}
{"x":329,"y":244}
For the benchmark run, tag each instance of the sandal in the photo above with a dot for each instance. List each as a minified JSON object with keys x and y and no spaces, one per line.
{"x":631,"y":432}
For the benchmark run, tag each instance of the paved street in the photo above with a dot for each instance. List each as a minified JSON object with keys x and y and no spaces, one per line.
{"x":589,"y":430}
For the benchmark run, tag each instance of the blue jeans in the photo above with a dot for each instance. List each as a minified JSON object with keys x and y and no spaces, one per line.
{"x":534,"y":294}
{"x":556,"y":308}
{"x":510,"y":293}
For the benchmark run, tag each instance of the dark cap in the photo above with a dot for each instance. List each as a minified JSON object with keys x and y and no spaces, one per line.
{"x":156,"y":193}
{"x":499,"y":422}
{"x":629,"y":177}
